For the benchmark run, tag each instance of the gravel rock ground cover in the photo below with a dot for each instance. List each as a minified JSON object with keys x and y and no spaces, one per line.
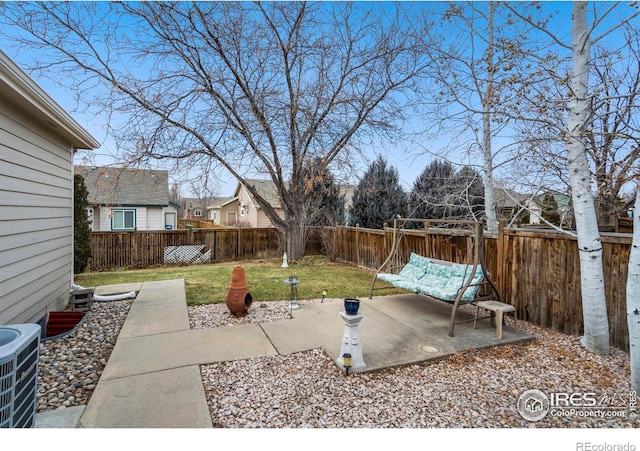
{"x":69,"y":367}
{"x":477,"y":389}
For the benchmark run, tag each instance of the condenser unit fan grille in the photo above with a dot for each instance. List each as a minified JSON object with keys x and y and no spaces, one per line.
{"x":6,"y":391}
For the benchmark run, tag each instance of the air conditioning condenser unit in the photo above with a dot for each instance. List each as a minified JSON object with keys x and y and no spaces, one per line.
{"x":19,"y":351}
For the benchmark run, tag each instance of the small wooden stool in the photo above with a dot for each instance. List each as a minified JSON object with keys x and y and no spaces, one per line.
{"x":497,"y":309}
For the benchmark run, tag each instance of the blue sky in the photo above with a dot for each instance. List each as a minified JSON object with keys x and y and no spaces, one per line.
{"x":406,"y":156}
{"x":409,"y":166}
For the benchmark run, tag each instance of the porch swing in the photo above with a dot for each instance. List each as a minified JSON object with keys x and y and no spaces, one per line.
{"x":443,"y":280}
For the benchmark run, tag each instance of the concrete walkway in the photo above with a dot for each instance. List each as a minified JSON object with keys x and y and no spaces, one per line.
{"x":152,"y":378}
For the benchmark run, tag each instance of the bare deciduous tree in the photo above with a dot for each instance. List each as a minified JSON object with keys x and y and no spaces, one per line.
{"x":205,"y":189}
{"x":611,"y":132}
{"x":576,"y":136}
{"x":614,"y":132}
{"x":259,"y":88}
{"x":323,"y":205}
{"x":480,"y":78}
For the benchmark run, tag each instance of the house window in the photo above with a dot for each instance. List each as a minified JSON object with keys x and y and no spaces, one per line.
{"x":242,"y":210}
{"x":123,"y":220}
{"x":197,"y":212}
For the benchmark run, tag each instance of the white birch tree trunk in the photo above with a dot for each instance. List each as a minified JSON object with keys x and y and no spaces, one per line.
{"x":489,"y":191}
{"x":487,"y":108}
{"x":594,"y":307}
{"x":633,"y":299}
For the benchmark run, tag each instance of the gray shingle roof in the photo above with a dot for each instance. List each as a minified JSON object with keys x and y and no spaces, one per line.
{"x":125,"y":186}
{"x":267,"y":189}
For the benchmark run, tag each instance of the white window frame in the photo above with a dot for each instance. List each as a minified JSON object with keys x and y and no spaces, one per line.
{"x":124,"y":212}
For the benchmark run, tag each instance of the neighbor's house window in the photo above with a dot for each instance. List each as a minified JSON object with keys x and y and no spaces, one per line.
{"x":123,"y":220}
{"x":197,"y":212}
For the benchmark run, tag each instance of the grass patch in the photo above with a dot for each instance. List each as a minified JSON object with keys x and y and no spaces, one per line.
{"x":209,"y":284}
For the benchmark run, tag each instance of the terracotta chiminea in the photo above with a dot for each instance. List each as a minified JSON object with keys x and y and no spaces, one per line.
{"x":239,"y":299}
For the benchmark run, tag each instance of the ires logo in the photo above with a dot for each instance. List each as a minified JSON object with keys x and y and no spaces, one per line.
{"x":562,"y":400}
{"x":534,"y":405}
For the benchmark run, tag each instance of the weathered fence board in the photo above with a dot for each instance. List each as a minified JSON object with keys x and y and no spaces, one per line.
{"x":142,"y":249}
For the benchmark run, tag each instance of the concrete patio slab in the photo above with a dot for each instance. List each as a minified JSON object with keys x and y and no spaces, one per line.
{"x":160,"y":307}
{"x":173,"y":398}
{"x":152,"y":378}
{"x":66,"y":417}
{"x":163,"y":351}
{"x":395,"y":330}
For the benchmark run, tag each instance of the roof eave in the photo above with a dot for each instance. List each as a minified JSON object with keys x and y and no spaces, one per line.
{"x":21,"y":89}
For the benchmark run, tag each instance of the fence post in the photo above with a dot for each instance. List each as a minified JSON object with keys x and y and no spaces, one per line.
{"x":215,"y":245}
{"x":500,"y":257}
{"x":135,"y":245}
{"x":385,"y":251}
{"x":357,"y":244}
{"x":426,"y":239}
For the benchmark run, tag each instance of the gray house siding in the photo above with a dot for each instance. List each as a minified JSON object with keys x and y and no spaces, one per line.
{"x":35,"y":217}
{"x":37,"y":142}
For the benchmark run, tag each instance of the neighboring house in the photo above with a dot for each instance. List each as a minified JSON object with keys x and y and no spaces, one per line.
{"x":241,"y":209}
{"x":196,"y":210}
{"x":125,"y":199}
{"x":218,"y":209}
{"x":510,"y":203}
{"x":563,"y":201}
{"x":193,"y":209}
{"x":37,"y":142}
{"x":535,"y":211}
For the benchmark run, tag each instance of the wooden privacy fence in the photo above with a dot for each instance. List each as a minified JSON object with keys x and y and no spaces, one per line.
{"x":536,"y":271}
{"x":142,"y":249}
{"x":112,"y":250}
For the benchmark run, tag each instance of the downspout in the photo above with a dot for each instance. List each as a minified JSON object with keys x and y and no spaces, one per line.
{"x":72,"y":215}
{"x":107,"y":298}
{"x":96,"y":297}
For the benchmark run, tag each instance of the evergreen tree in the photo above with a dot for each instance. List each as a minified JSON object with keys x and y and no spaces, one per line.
{"x":430,"y":195}
{"x":440,"y":192}
{"x":81,"y":229}
{"x":471,"y":193}
{"x":379,"y":197}
{"x":550,"y":209}
{"x":322,"y":198}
